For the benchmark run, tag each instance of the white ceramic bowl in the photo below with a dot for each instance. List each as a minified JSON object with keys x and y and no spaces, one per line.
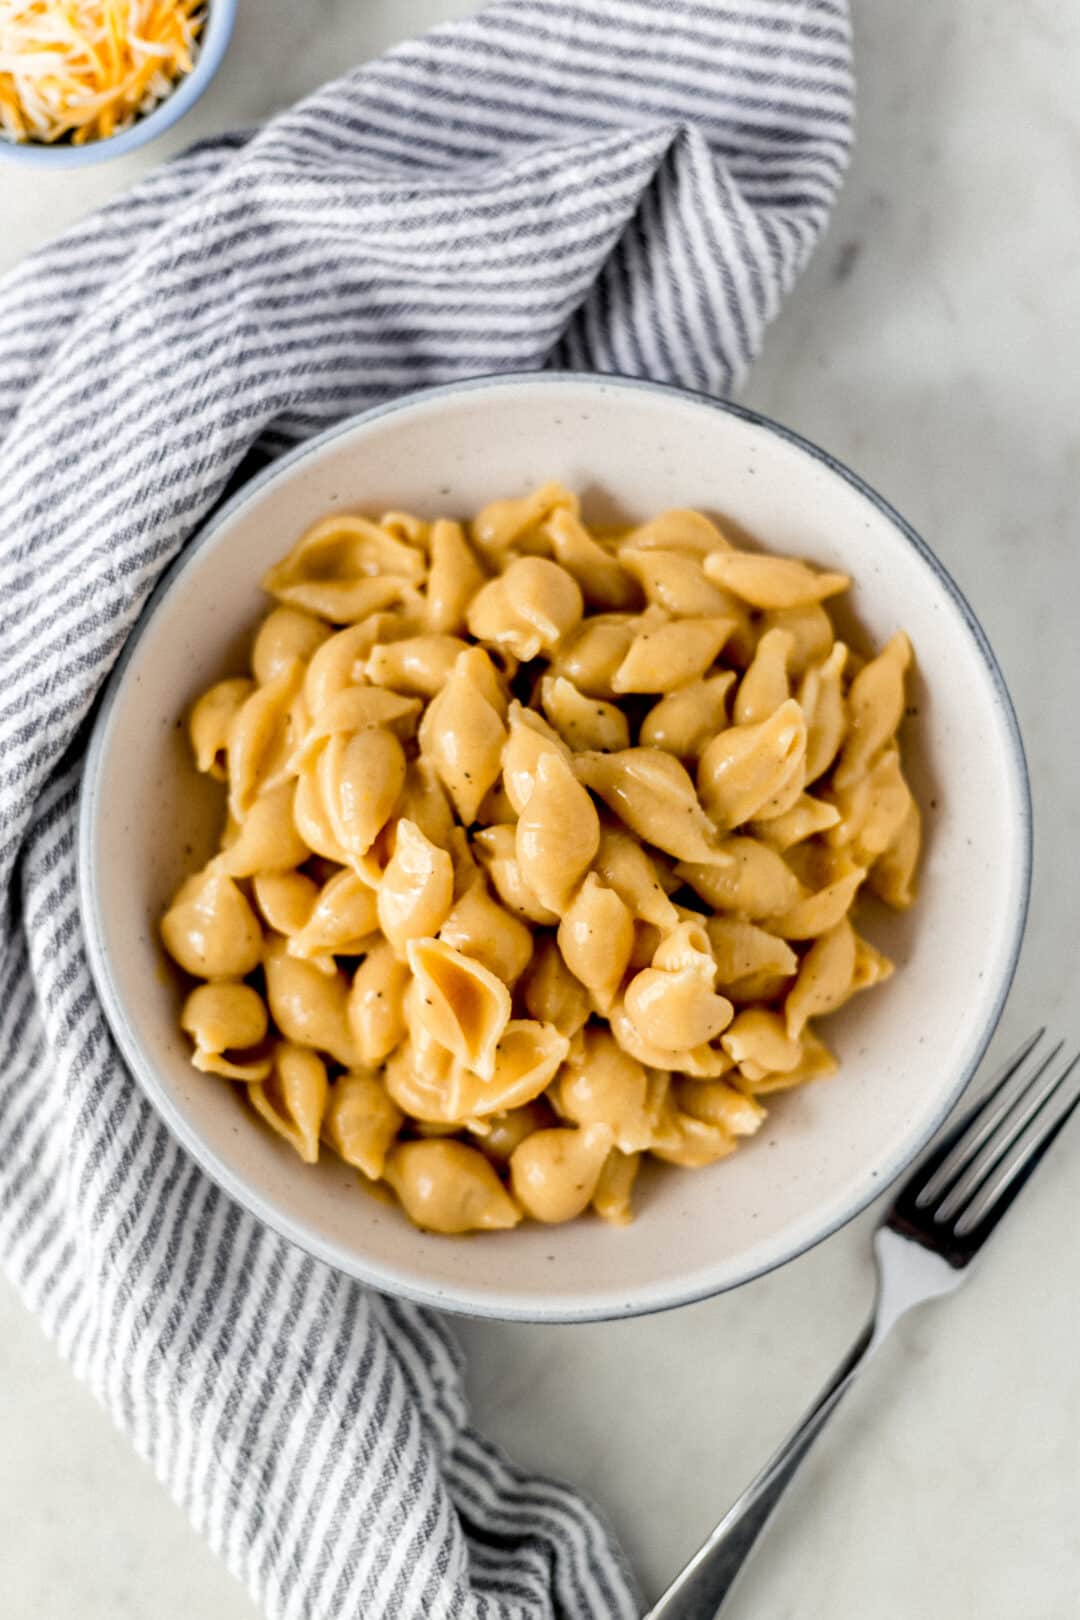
{"x":906,"y":1050}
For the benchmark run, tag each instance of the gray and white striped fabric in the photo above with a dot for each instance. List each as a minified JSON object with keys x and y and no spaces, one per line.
{"x":626,"y":185}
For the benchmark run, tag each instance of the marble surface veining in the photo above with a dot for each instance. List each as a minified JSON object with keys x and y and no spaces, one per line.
{"x":935,"y":345}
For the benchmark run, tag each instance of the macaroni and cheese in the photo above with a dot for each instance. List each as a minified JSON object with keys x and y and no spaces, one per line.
{"x":540,"y":852}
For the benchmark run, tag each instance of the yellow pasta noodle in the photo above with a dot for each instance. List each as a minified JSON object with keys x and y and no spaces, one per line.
{"x":222,"y":1017}
{"x":541,"y":852}
{"x":596,"y":938}
{"x":417,"y":888}
{"x":361,"y":1122}
{"x":558,"y":833}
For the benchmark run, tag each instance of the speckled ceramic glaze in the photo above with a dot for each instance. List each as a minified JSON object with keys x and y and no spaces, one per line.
{"x":906,"y":1050}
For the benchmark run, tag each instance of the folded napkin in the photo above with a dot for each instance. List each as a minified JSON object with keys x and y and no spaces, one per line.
{"x":613,"y":185}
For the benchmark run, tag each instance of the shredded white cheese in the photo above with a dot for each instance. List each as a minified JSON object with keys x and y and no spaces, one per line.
{"x":88,"y":68}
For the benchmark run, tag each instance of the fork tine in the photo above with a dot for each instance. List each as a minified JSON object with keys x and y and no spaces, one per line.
{"x":980,"y":1121}
{"x":1022,"y":1104}
{"x":996,"y":1194}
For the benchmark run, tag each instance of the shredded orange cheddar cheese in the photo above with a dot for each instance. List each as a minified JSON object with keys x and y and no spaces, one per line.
{"x":88,"y":68}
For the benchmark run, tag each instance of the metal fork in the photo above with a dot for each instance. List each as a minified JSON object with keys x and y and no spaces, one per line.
{"x":944,"y":1214}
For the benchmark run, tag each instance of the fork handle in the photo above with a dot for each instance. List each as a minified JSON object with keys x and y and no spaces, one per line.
{"x":698,"y":1592}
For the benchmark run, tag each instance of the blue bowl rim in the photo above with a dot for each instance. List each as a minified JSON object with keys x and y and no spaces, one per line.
{"x":217,"y":33}
{"x":297,"y":1231}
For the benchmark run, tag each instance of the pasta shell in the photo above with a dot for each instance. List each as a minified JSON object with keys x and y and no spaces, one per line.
{"x":821,"y":699}
{"x":527,"y":1059}
{"x":746,"y":769}
{"x":875,"y":706}
{"x":285,"y":634}
{"x":591,"y":654}
{"x":361,"y":1122}
{"x":529,"y":737}
{"x":765,"y":686}
{"x":625,"y":867}
{"x":741,"y":949}
{"x":450,"y":1188}
{"x":497,"y":849}
{"x":309,"y":1007}
{"x":604,"y":582}
{"x":466,"y":1007}
{"x":692,"y":1143}
{"x":341,"y":923}
{"x":419,"y":665}
{"x":815,"y":1063}
{"x":417,"y":889}
{"x":292,"y":1098}
{"x":286,"y":899}
{"x":557,"y":834}
{"x":345,"y":568}
{"x":811,"y":632}
{"x":479,"y":927}
{"x":262,"y":739}
{"x":806,"y":817}
{"x":210,"y":723}
{"x":664,"y":656}
{"x":423,"y":801}
{"x":462,"y":734}
{"x":554,"y":1173}
{"x":754,"y":881}
{"x":714,"y":1102}
{"x":892,"y":874}
{"x":872,"y":810}
{"x":211,"y":930}
{"x":680,"y":529}
{"x":683,"y":722}
{"x":612,"y":1197}
{"x":226,"y":1017}
{"x":312,"y":821}
{"x":676,"y":581}
{"x":454,"y":578}
{"x":601,"y":1084}
{"x":651,"y":792}
{"x":427,"y":1081}
{"x":772,"y":582}
{"x":504,"y":1131}
{"x":871,"y":967}
{"x":816,"y":913}
{"x":672,"y":1010}
{"x":758,"y":989}
{"x":825,"y":978}
{"x":528,"y":609}
{"x":550,"y":991}
{"x":760,"y":1044}
{"x":596,"y":937}
{"x":360,"y":777}
{"x":376,"y":1005}
{"x":437,"y":1088}
{"x":406,"y":526}
{"x":335,"y":664}
{"x":704,"y":1062}
{"x":504,"y":523}
{"x":268,"y":839}
{"x":686,"y":946}
{"x":582,"y":722}
{"x":359,"y":708}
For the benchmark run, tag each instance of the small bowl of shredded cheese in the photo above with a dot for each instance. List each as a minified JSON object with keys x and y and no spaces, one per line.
{"x":82,"y":80}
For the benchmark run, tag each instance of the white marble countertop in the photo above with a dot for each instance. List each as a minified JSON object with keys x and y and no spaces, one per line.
{"x":935,"y":345}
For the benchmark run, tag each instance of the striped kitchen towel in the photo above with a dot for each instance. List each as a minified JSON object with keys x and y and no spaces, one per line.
{"x":623,"y":185}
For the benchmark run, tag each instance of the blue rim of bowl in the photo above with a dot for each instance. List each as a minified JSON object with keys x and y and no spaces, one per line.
{"x":878,"y":1179}
{"x":221,"y":16}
